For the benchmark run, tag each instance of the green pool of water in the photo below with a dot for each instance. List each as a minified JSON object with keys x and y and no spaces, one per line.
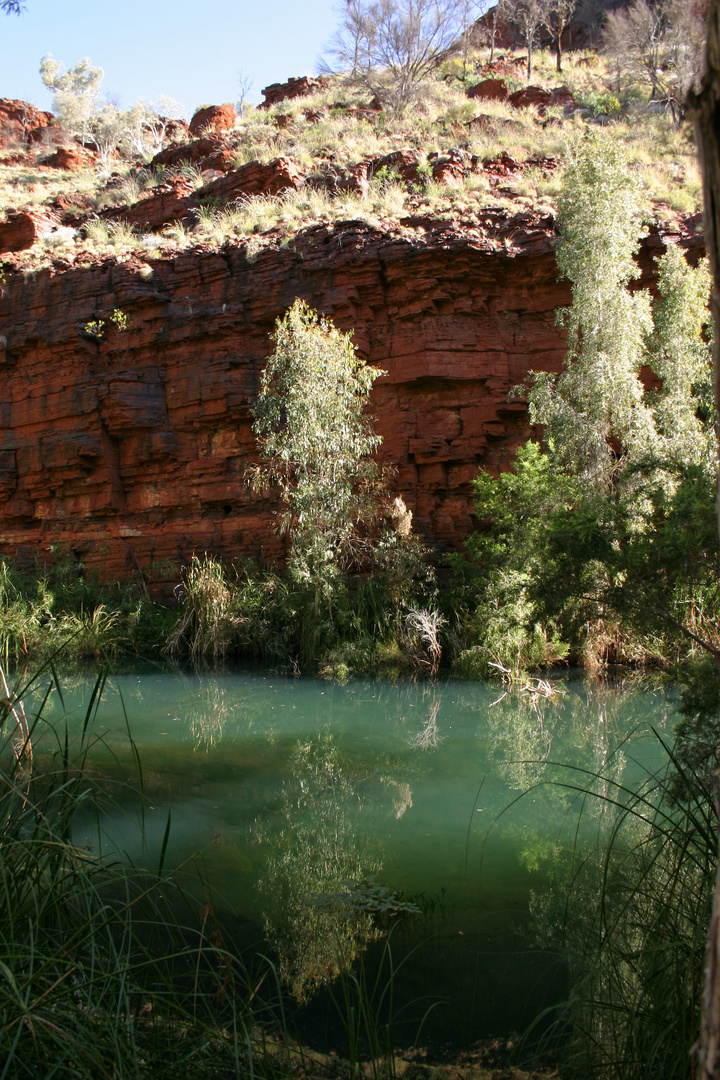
{"x":303,"y":798}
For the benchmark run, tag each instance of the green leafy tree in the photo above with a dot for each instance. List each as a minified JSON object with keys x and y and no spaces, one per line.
{"x":595,"y":413}
{"x":317,"y":441}
{"x":608,"y":531}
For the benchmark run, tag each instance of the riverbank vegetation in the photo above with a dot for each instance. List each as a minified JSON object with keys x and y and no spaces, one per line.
{"x":601,"y":540}
{"x":597,"y":546}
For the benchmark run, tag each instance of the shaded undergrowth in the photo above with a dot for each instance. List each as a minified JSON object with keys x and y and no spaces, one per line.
{"x":106,"y":970}
{"x":58,"y":606}
{"x":630,"y":912}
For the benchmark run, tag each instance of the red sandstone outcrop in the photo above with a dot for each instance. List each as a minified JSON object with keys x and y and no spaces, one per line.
{"x":503,"y":165}
{"x":21,"y":123}
{"x":134,"y":448}
{"x":448,"y":168}
{"x":213,"y":118}
{"x":488,"y":90}
{"x":23,"y":227}
{"x":451,"y":168}
{"x":254,"y":178}
{"x":209,"y":152}
{"x":73,"y":209}
{"x":176,"y":130}
{"x":71,"y":158}
{"x":541,"y":99}
{"x":332,"y":178}
{"x":164,"y":204}
{"x":293,"y":88}
{"x":176,"y":198}
{"x":403,"y":163}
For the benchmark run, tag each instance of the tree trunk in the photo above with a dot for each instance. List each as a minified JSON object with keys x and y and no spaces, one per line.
{"x":704,"y":108}
{"x":494,"y":29}
{"x":559,"y":51}
{"x":705,"y":111}
{"x":709,"y":1045}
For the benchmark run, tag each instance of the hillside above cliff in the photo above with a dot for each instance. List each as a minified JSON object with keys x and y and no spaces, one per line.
{"x":479,"y":141}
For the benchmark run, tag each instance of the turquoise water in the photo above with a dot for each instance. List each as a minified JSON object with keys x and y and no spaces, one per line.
{"x":295,"y":794}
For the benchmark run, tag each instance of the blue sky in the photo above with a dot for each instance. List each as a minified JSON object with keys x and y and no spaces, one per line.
{"x":189,"y":51}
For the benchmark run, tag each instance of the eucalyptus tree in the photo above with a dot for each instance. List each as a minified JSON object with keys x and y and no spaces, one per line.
{"x":608,"y":519}
{"x":530,"y":17}
{"x":660,"y":44}
{"x":705,"y":108}
{"x":594,"y":413}
{"x":76,"y":93}
{"x":316,"y":441}
{"x":135,"y":132}
{"x":559,"y":17}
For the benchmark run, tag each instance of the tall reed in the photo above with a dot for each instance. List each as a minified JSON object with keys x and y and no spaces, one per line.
{"x":105,"y":971}
{"x":632,"y":915}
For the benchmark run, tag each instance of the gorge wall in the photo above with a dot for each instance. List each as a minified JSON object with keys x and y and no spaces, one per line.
{"x":132,"y":449}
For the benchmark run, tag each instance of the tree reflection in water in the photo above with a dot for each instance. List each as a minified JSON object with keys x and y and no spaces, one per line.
{"x":588,"y":725}
{"x":429,"y":737}
{"x":317,"y":857}
{"x":211,"y":710}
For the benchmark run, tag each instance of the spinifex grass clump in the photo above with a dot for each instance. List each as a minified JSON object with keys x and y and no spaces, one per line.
{"x":207,"y":629}
{"x":104,"y":971}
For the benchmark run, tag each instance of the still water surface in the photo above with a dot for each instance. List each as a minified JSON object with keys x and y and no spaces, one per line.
{"x":451,"y":794}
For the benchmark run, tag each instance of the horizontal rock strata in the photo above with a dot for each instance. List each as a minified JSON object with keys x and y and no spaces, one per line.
{"x":132,"y":447}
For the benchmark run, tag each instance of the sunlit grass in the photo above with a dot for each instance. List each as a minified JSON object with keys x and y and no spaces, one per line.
{"x":336,"y":137}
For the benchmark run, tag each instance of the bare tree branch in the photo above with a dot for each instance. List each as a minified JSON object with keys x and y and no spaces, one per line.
{"x":660,"y":44}
{"x":393,"y":45}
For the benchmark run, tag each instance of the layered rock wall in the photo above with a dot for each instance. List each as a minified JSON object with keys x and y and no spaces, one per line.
{"x":131,"y":448}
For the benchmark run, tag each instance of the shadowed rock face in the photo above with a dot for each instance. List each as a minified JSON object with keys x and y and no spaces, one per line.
{"x":22,"y":228}
{"x":133,"y":449}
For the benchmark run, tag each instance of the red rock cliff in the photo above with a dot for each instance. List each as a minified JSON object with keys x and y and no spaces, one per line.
{"x":133,"y":449}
